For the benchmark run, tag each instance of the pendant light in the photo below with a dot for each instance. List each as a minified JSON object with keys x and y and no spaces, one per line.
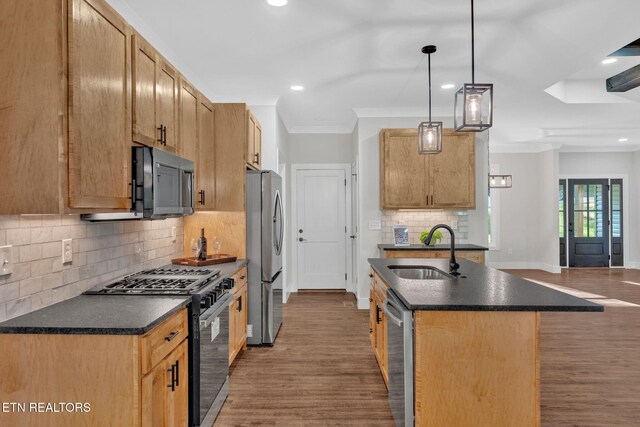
{"x":429,"y":133}
{"x":473,"y":106}
{"x":497,"y":181}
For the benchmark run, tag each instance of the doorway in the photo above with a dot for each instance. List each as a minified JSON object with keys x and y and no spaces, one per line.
{"x":321,"y":230}
{"x":591,"y":222}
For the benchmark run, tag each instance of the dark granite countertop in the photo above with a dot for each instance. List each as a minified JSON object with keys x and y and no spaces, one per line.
{"x":105,"y":314}
{"x":479,"y":288}
{"x":460,"y":247}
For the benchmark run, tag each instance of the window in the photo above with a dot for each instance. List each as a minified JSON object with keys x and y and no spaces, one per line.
{"x":616,"y":210}
{"x":561,"y":208}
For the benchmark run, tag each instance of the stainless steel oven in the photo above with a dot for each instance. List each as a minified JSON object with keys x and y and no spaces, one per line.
{"x":210,"y":359}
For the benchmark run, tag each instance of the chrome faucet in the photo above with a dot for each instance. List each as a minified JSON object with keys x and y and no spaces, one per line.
{"x":453,"y":265}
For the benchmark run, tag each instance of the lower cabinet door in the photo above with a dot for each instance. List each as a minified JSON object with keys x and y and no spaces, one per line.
{"x":233,"y":308}
{"x":177,"y":406}
{"x":165,"y":391}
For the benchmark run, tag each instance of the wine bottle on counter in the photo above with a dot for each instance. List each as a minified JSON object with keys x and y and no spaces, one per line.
{"x":202,"y":246}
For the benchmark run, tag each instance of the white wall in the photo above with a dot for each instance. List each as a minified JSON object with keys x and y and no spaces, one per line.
{"x":623,"y":165}
{"x":320,"y":148}
{"x":368,"y":152}
{"x":528,"y":212}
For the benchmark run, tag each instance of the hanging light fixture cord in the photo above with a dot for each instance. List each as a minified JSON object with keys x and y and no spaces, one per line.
{"x":473,"y":42}
{"x":429,"y":67}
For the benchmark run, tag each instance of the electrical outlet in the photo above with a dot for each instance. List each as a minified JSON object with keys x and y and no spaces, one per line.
{"x":249,"y":331}
{"x":67,"y":251}
{"x":174,"y":234}
{"x":375,"y":225}
{"x":6,"y":266}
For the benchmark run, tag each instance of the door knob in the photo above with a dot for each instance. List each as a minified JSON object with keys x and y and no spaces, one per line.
{"x":300,"y":231}
{"x":300,"y":239}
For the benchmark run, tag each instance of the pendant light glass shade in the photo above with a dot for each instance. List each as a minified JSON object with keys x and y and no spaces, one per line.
{"x":500,"y":181}
{"x":473,"y":106}
{"x":429,"y":133}
{"x":430,"y":137}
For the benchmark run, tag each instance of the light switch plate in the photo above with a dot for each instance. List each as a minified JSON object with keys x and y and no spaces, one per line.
{"x":249,"y":331}
{"x":6,"y":266}
{"x":375,"y":224}
{"x":174,"y":234}
{"x":67,"y":251}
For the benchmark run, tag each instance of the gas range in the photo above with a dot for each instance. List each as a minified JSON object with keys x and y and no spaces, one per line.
{"x":203,"y":284}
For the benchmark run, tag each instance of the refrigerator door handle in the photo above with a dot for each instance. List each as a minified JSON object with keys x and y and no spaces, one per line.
{"x":277,"y":212}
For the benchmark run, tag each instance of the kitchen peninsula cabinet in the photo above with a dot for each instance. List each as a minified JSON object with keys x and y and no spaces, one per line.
{"x":378,"y":323}
{"x":409,"y":180}
{"x":155,"y":98}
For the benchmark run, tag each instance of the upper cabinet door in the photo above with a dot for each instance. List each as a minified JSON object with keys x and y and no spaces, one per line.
{"x":167,"y":92}
{"x":144,"y":73}
{"x":403,"y":171}
{"x":188,"y":121}
{"x":257,"y":145}
{"x":453,"y":172}
{"x":99,"y":107}
{"x":251,"y":138}
{"x":206,"y":162}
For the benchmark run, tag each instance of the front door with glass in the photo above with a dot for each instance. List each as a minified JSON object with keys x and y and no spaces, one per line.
{"x":588,"y":223}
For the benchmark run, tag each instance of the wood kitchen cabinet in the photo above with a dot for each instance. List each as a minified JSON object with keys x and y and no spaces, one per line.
{"x":378,"y":324}
{"x":205,"y":160}
{"x":165,"y":395}
{"x":254,"y":142}
{"x":66,"y":123}
{"x":475,"y":256}
{"x":238,"y":315}
{"x":128,"y":380}
{"x":155,"y":97}
{"x":409,"y":180}
{"x":188,"y":121}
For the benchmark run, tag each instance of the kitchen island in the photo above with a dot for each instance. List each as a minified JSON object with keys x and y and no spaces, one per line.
{"x":460,"y":350}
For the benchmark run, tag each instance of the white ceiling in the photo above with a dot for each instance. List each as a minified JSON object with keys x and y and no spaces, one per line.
{"x":364,"y":55}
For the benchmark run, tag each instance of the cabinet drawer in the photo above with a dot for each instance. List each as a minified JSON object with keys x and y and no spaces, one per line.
{"x":240,"y":279}
{"x":162,"y":339}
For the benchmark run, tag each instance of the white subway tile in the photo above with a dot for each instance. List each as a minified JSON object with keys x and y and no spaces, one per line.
{"x":30,"y":286}
{"x":9,"y":221}
{"x":18,"y":236}
{"x":51,"y":281}
{"x":9,"y":291}
{"x":18,"y":307}
{"x":41,"y":267}
{"x":30,"y":252}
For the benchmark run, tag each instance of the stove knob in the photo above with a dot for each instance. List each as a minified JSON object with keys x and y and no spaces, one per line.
{"x":205,"y":302}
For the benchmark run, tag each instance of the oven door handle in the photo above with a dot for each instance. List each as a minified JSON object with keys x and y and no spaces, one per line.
{"x":210,"y":315}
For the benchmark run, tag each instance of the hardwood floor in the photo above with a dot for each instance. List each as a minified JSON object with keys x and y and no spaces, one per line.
{"x":322,"y":371}
{"x":590,"y":362}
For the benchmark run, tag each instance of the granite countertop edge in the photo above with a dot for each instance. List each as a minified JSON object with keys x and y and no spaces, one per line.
{"x":414,"y":300}
{"x":441,"y":247}
{"x":10,"y":327}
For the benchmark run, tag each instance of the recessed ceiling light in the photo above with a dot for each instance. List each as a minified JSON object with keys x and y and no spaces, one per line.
{"x":448,"y":86}
{"x":297,"y":88}
{"x":609,"y":60}
{"x":623,"y":139}
{"x":277,"y":3}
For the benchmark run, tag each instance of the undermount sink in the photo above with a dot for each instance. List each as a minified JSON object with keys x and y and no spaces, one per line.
{"x":419,"y":272}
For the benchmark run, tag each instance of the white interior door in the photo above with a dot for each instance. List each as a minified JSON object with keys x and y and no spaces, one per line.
{"x":321,"y":229}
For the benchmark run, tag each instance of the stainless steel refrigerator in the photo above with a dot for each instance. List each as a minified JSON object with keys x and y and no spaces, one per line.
{"x":265,"y":238}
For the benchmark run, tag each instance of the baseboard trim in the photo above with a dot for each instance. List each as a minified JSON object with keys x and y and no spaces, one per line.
{"x":524,"y":266}
{"x":635,"y":265}
{"x":363,"y":303}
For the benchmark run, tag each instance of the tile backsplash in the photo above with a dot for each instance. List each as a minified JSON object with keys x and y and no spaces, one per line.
{"x":101,"y":252}
{"x":420,"y":220}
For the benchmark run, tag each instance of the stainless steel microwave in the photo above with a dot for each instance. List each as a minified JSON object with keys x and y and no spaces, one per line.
{"x":162,"y":187}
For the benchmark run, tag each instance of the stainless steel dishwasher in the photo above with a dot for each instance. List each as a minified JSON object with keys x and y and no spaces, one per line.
{"x":400,"y":359}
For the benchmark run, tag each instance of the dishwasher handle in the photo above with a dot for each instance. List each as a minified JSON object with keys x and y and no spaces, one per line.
{"x":394,"y":319}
